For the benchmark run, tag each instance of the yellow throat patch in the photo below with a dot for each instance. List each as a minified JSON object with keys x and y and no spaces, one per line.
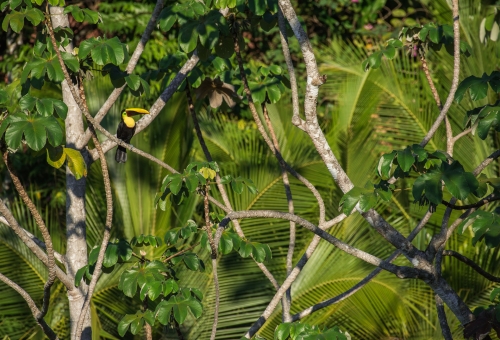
{"x":129,"y":121}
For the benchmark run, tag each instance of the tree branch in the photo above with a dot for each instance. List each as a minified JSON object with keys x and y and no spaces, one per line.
{"x":471,"y":264}
{"x":488,"y":199}
{"x":37,"y":314}
{"x":445,"y":328}
{"x":399,"y":271}
{"x":35,"y":249}
{"x":134,"y":59}
{"x":51,"y":262}
{"x":456,"y":73}
{"x":486,"y":162}
{"x":296,"y":120}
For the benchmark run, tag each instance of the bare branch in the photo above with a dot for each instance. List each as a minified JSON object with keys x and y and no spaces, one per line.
{"x":461,"y":134}
{"x":471,"y":264}
{"x":287,"y":299}
{"x":51,"y":263}
{"x":456,"y":73}
{"x":108,"y":222}
{"x":38,"y":242}
{"x":35,"y":249}
{"x":425,"y":68}
{"x":486,"y":162}
{"x":37,"y":314}
{"x":296,"y":120}
{"x":134,"y":59}
{"x":401,"y":272}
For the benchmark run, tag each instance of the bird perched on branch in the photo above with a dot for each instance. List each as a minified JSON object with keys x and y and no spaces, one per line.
{"x":126,"y":130}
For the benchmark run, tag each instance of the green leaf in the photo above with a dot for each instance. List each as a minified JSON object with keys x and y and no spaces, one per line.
{"x":56,"y":156}
{"x":237,"y":186}
{"x":257,"y":6}
{"x":245,"y":249}
{"x":124,"y":323}
{"x":373,"y":61}
{"x":79,"y":275}
{"x":282,"y":331}
{"x":435,"y":34}
{"x":167,"y":19}
{"x":94,"y":254}
{"x":170,"y":286}
{"x":405,"y":159}
{"x":258,"y":252}
{"x":429,"y":185}
{"x":176,"y":184}
{"x":457,"y":181}
{"x":103,"y":51}
{"x":494,"y":293}
{"x":384,"y":165}
{"x":128,"y":282}
{"x":350,"y":199}
{"x":110,"y":255}
{"x":133,"y":81}
{"x":191,"y":261}
{"x":188,"y":36}
{"x":389,"y":52}
{"x":478,"y":88}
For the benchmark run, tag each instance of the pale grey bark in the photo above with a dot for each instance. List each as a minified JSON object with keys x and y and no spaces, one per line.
{"x":76,"y":253}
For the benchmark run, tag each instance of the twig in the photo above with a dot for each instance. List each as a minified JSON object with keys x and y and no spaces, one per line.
{"x":456,"y":73}
{"x":445,"y":328}
{"x":287,"y":299}
{"x":461,"y":134}
{"x":213,"y":247}
{"x":35,"y":249}
{"x":180,"y":252}
{"x":471,"y":264}
{"x":134,"y":59}
{"x":362,"y":283}
{"x":296,"y":120}
{"x":108,"y":222}
{"x":34,"y":309}
{"x":51,"y":265}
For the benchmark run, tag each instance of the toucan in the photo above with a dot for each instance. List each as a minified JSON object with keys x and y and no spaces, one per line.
{"x":126,"y":130}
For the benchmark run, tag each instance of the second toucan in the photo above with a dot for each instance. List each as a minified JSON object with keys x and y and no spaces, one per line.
{"x":126,"y":130}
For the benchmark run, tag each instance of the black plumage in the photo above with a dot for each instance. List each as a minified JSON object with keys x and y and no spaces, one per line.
{"x":124,"y":133}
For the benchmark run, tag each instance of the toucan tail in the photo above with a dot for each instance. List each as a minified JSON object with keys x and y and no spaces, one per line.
{"x":121,"y":154}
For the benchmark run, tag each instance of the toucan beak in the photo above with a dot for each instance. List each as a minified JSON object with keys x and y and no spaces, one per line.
{"x":136,"y":111}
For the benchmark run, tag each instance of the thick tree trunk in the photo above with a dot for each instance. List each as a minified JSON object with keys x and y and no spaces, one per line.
{"x":76,"y":251}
